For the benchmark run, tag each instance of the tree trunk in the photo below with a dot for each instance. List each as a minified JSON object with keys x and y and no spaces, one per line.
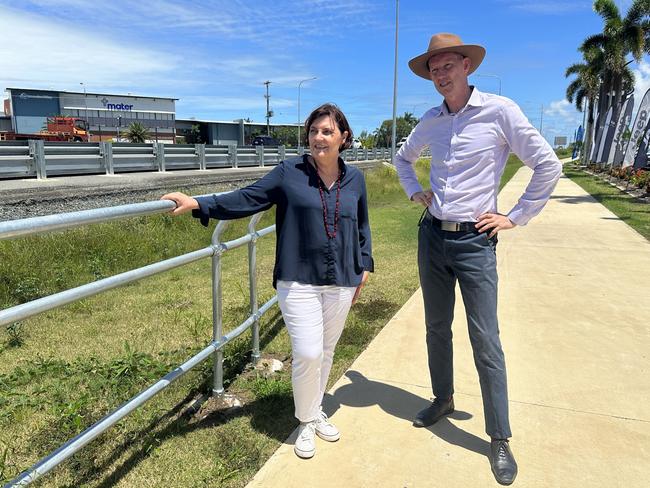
{"x":586,"y":147}
{"x":617,"y":88}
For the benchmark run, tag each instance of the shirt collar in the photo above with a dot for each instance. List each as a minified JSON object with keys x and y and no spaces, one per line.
{"x":475,"y":100}
{"x":342,"y":166}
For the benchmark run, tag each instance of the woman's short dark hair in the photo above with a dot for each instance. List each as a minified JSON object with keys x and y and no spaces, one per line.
{"x":333,"y":111}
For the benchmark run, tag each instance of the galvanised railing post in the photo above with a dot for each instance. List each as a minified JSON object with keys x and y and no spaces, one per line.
{"x":159,"y":153}
{"x":252,"y":278}
{"x":106,"y":151}
{"x":282,"y":153}
{"x":217,"y":308}
{"x":37,"y":152}
{"x":232,"y":155}
{"x":260,"y":155}
{"x":200,"y":152}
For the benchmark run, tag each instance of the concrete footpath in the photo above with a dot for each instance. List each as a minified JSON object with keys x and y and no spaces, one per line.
{"x":574,"y":304}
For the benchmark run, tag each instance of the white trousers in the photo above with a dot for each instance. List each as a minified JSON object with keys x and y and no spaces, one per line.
{"x":314,"y":316}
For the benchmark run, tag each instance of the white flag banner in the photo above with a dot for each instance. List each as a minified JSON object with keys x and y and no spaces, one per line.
{"x":616,"y":149}
{"x":638,"y":130}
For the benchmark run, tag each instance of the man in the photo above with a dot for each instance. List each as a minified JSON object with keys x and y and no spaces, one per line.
{"x":470,"y":137}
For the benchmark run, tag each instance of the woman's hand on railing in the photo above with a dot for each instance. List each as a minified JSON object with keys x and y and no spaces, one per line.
{"x":364,"y":278}
{"x":184,"y":203}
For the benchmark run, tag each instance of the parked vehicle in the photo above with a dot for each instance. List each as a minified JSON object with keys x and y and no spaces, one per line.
{"x":356,"y":144}
{"x":265,"y":141}
{"x":60,"y":129}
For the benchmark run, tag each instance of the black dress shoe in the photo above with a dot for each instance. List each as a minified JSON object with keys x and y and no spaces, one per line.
{"x":434,"y":412}
{"x":504,"y":466}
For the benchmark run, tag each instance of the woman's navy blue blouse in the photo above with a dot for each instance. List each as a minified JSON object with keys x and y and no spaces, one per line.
{"x":304,"y":252}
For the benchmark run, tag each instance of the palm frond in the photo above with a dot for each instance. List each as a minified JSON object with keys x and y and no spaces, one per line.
{"x":607,"y":9}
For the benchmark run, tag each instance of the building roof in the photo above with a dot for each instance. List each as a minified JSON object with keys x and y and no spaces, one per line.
{"x":91,"y":93}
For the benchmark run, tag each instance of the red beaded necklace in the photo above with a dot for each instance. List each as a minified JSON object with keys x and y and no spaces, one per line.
{"x":331,"y":235}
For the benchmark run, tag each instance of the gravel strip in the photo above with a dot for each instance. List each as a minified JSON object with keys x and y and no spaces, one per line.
{"x":35,"y":202}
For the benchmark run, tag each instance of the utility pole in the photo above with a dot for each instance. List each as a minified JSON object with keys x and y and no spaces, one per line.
{"x":394,"y":131}
{"x":268,"y":111}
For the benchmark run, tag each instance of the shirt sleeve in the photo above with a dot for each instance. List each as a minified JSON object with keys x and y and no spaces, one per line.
{"x":529,"y":145}
{"x":259,"y":196}
{"x":364,"y":229}
{"x":407,"y":155}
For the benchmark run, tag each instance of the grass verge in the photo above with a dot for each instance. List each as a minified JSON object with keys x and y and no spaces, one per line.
{"x":64,"y":369}
{"x":631,"y":210}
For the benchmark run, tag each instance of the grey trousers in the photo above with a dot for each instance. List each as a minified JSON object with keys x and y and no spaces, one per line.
{"x":470,"y":258}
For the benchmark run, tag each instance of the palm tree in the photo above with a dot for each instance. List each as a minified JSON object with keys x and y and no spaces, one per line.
{"x":620,"y":37}
{"x":136,"y":132}
{"x":584,"y":88}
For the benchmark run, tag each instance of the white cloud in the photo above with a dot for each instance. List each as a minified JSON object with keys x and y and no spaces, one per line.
{"x":641,"y":82}
{"x":277,"y":23}
{"x":560,"y":108}
{"x":549,"y":7}
{"x":215,"y":103}
{"x":41,"y":53}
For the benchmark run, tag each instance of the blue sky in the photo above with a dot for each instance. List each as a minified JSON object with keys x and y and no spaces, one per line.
{"x":215,"y":55}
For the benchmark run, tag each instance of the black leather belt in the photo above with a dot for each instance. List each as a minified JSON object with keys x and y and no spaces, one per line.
{"x":448,"y":225}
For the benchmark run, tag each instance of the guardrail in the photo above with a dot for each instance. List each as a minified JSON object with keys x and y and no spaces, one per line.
{"x":37,"y":225}
{"x":40,"y":159}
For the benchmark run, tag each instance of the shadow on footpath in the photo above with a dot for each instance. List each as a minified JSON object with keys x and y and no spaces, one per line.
{"x":364,"y":392}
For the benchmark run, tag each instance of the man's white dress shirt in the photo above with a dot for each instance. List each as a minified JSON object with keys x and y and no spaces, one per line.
{"x":469,"y":150}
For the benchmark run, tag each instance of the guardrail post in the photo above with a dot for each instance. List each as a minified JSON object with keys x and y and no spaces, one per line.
{"x":217,"y":308}
{"x":365,"y":154}
{"x":301,"y":150}
{"x":282,"y":153}
{"x":159,"y":153}
{"x":200,"y":152}
{"x":252,"y":277}
{"x":37,"y":153}
{"x":259,"y":150}
{"x":232,"y":155}
{"x":106,"y":152}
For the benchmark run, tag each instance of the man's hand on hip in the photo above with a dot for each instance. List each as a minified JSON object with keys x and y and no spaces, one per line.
{"x":423,"y":198}
{"x":494,"y":222}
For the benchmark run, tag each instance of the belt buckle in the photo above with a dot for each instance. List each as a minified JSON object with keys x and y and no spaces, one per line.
{"x":448,"y":226}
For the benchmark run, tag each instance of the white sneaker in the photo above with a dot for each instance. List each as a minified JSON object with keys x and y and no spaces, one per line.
{"x":324,"y":429}
{"x":305,"y":445}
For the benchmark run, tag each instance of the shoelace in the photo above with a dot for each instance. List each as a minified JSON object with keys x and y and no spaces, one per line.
{"x":502,"y":453}
{"x":307,"y":431}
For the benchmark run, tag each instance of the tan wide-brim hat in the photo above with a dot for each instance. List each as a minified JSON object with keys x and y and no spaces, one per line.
{"x":446,"y":43}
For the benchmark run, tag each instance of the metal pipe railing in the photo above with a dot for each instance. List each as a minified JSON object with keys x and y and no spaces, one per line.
{"x":11,"y":229}
{"x":77,"y":443}
{"x":37,"y":225}
{"x":40,"y":305}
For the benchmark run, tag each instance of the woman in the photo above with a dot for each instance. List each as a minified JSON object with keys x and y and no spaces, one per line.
{"x":323,"y":254}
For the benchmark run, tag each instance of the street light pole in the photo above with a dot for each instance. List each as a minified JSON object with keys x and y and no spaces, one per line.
{"x":490,"y":76}
{"x":299,"y":121}
{"x":394,"y":133}
{"x":86,"y":104}
{"x":268,"y":113}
